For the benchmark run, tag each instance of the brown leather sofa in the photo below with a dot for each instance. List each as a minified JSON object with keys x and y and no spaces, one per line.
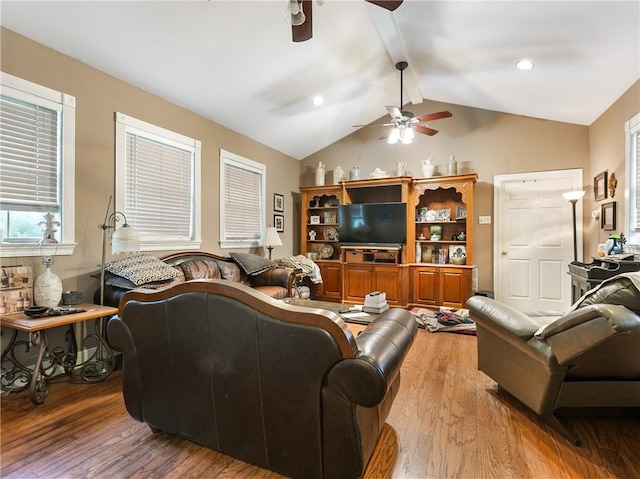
{"x":588,"y":358}
{"x":276,"y":282}
{"x":286,"y":388}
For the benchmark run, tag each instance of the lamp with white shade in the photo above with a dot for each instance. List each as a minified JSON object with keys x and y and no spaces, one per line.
{"x":270,"y":239}
{"x":123,"y":240}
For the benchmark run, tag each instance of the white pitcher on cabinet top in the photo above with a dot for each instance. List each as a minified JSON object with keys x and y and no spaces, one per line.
{"x":320,"y":174}
{"x":428,"y":167}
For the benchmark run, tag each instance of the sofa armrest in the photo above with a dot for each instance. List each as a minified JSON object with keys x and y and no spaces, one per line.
{"x":496,"y":315}
{"x":120,"y":339}
{"x":382,"y":347}
{"x":275,"y":277}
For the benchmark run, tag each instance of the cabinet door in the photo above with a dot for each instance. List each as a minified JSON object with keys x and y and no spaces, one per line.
{"x":454,"y":287}
{"x":357,"y":282}
{"x":331,"y":286}
{"x":387,"y":279}
{"x":425,"y":286}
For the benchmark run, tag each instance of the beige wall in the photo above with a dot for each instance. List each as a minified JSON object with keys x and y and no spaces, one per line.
{"x":485,"y":142}
{"x":98,"y":96}
{"x":607,"y":153}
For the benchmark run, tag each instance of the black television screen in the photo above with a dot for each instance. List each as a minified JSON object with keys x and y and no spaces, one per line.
{"x":383,"y":224}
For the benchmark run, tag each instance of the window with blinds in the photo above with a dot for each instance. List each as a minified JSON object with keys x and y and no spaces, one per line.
{"x":157,"y":173}
{"x":37,"y":164}
{"x":242,"y":201}
{"x":29,"y":140}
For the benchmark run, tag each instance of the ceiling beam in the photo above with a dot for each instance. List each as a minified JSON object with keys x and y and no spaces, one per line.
{"x":385,"y":24}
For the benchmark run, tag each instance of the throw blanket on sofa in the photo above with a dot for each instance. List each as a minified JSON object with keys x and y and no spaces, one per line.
{"x":308,"y":267}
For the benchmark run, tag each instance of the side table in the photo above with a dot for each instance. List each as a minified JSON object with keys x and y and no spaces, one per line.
{"x":17,"y":377}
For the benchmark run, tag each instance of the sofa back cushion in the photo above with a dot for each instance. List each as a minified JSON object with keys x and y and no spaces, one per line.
{"x":200,"y":269}
{"x":621,"y":290}
{"x":231,"y":271}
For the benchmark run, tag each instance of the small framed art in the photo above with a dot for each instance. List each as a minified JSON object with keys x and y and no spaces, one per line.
{"x":608,"y":216}
{"x":278,"y":202}
{"x":278,"y":222}
{"x":600,"y":186}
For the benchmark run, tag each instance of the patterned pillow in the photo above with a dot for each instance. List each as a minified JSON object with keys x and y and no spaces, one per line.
{"x":141,"y":268}
{"x":252,"y":264}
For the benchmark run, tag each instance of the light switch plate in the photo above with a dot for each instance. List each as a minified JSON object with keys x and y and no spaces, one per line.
{"x":484,"y":220}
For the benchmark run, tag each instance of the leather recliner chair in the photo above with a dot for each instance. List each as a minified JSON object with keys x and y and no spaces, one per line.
{"x":286,"y":388}
{"x":588,"y":358}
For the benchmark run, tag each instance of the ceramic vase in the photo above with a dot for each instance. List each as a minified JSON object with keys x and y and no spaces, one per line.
{"x":47,"y":289}
{"x":428,"y":168}
{"x":452,"y":166}
{"x":338,"y":175}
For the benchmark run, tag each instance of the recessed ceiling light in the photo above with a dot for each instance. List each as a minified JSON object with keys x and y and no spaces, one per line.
{"x":525,"y":64}
{"x":318,"y":100}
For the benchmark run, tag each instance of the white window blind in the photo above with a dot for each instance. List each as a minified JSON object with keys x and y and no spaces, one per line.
{"x":29,"y":153}
{"x":157,"y":184}
{"x":37,"y":165}
{"x":159,"y":180}
{"x":242,"y":185}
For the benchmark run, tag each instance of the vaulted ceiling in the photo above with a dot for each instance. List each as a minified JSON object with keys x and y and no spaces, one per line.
{"x":234,"y":61}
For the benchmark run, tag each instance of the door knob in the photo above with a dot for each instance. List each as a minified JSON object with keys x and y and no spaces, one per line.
{"x":504,"y":253}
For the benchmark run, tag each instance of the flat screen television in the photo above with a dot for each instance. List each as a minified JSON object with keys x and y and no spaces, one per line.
{"x":374,"y":224}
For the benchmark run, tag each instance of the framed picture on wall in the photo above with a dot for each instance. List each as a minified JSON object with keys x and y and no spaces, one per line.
{"x":278,"y":202}
{"x":608,"y":216}
{"x":278,"y":222}
{"x":600,"y":186}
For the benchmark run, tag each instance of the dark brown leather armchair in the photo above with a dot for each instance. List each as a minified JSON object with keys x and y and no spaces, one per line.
{"x":588,"y":358}
{"x":283,"y":387}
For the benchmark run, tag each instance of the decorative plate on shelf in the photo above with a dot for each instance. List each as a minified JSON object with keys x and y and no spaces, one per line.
{"x":327,"y":251}
{"x":330,"y":234}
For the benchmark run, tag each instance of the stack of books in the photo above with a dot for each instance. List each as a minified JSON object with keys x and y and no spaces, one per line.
{"x":375,"y":302}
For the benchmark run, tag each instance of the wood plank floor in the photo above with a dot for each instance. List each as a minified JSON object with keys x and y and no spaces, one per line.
{"x":448,"y":421}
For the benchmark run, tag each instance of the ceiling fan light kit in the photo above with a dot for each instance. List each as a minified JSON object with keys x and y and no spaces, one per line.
{"x":404,"y":123}
{"x":299,"y":15}
{"x":294,"y":14}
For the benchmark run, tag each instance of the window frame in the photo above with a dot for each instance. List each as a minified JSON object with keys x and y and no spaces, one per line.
{"x":632,"y":189}
{"x":226,"y":158}
{"x":40,"y":95}
{"x":126,"y":123}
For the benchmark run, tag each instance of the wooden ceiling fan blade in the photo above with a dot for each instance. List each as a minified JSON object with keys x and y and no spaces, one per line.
{"x":434,"y":116}
{"x":425,"y":130}
{"x":388,"y":4}
{"x":394,"y":111}
{"x":304,"y":32}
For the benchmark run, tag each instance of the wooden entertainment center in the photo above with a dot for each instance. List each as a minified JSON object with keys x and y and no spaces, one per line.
{"x":435,"y":266}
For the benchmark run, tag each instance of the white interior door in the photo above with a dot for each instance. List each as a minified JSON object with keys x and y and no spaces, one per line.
{"x":533,"y":233}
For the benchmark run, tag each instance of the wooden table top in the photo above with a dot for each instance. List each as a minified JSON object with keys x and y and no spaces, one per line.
{"x":22,"y":322}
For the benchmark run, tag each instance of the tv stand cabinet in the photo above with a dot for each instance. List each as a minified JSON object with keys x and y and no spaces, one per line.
{"x":349,"y":273}
{"x":372,"y":269}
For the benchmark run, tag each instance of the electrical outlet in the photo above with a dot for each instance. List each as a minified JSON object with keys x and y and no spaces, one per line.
{"x":484,"y":220}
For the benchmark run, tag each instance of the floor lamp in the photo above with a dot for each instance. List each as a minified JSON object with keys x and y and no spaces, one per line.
{"x":123,"y":240}
{"x":573,"y":197}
